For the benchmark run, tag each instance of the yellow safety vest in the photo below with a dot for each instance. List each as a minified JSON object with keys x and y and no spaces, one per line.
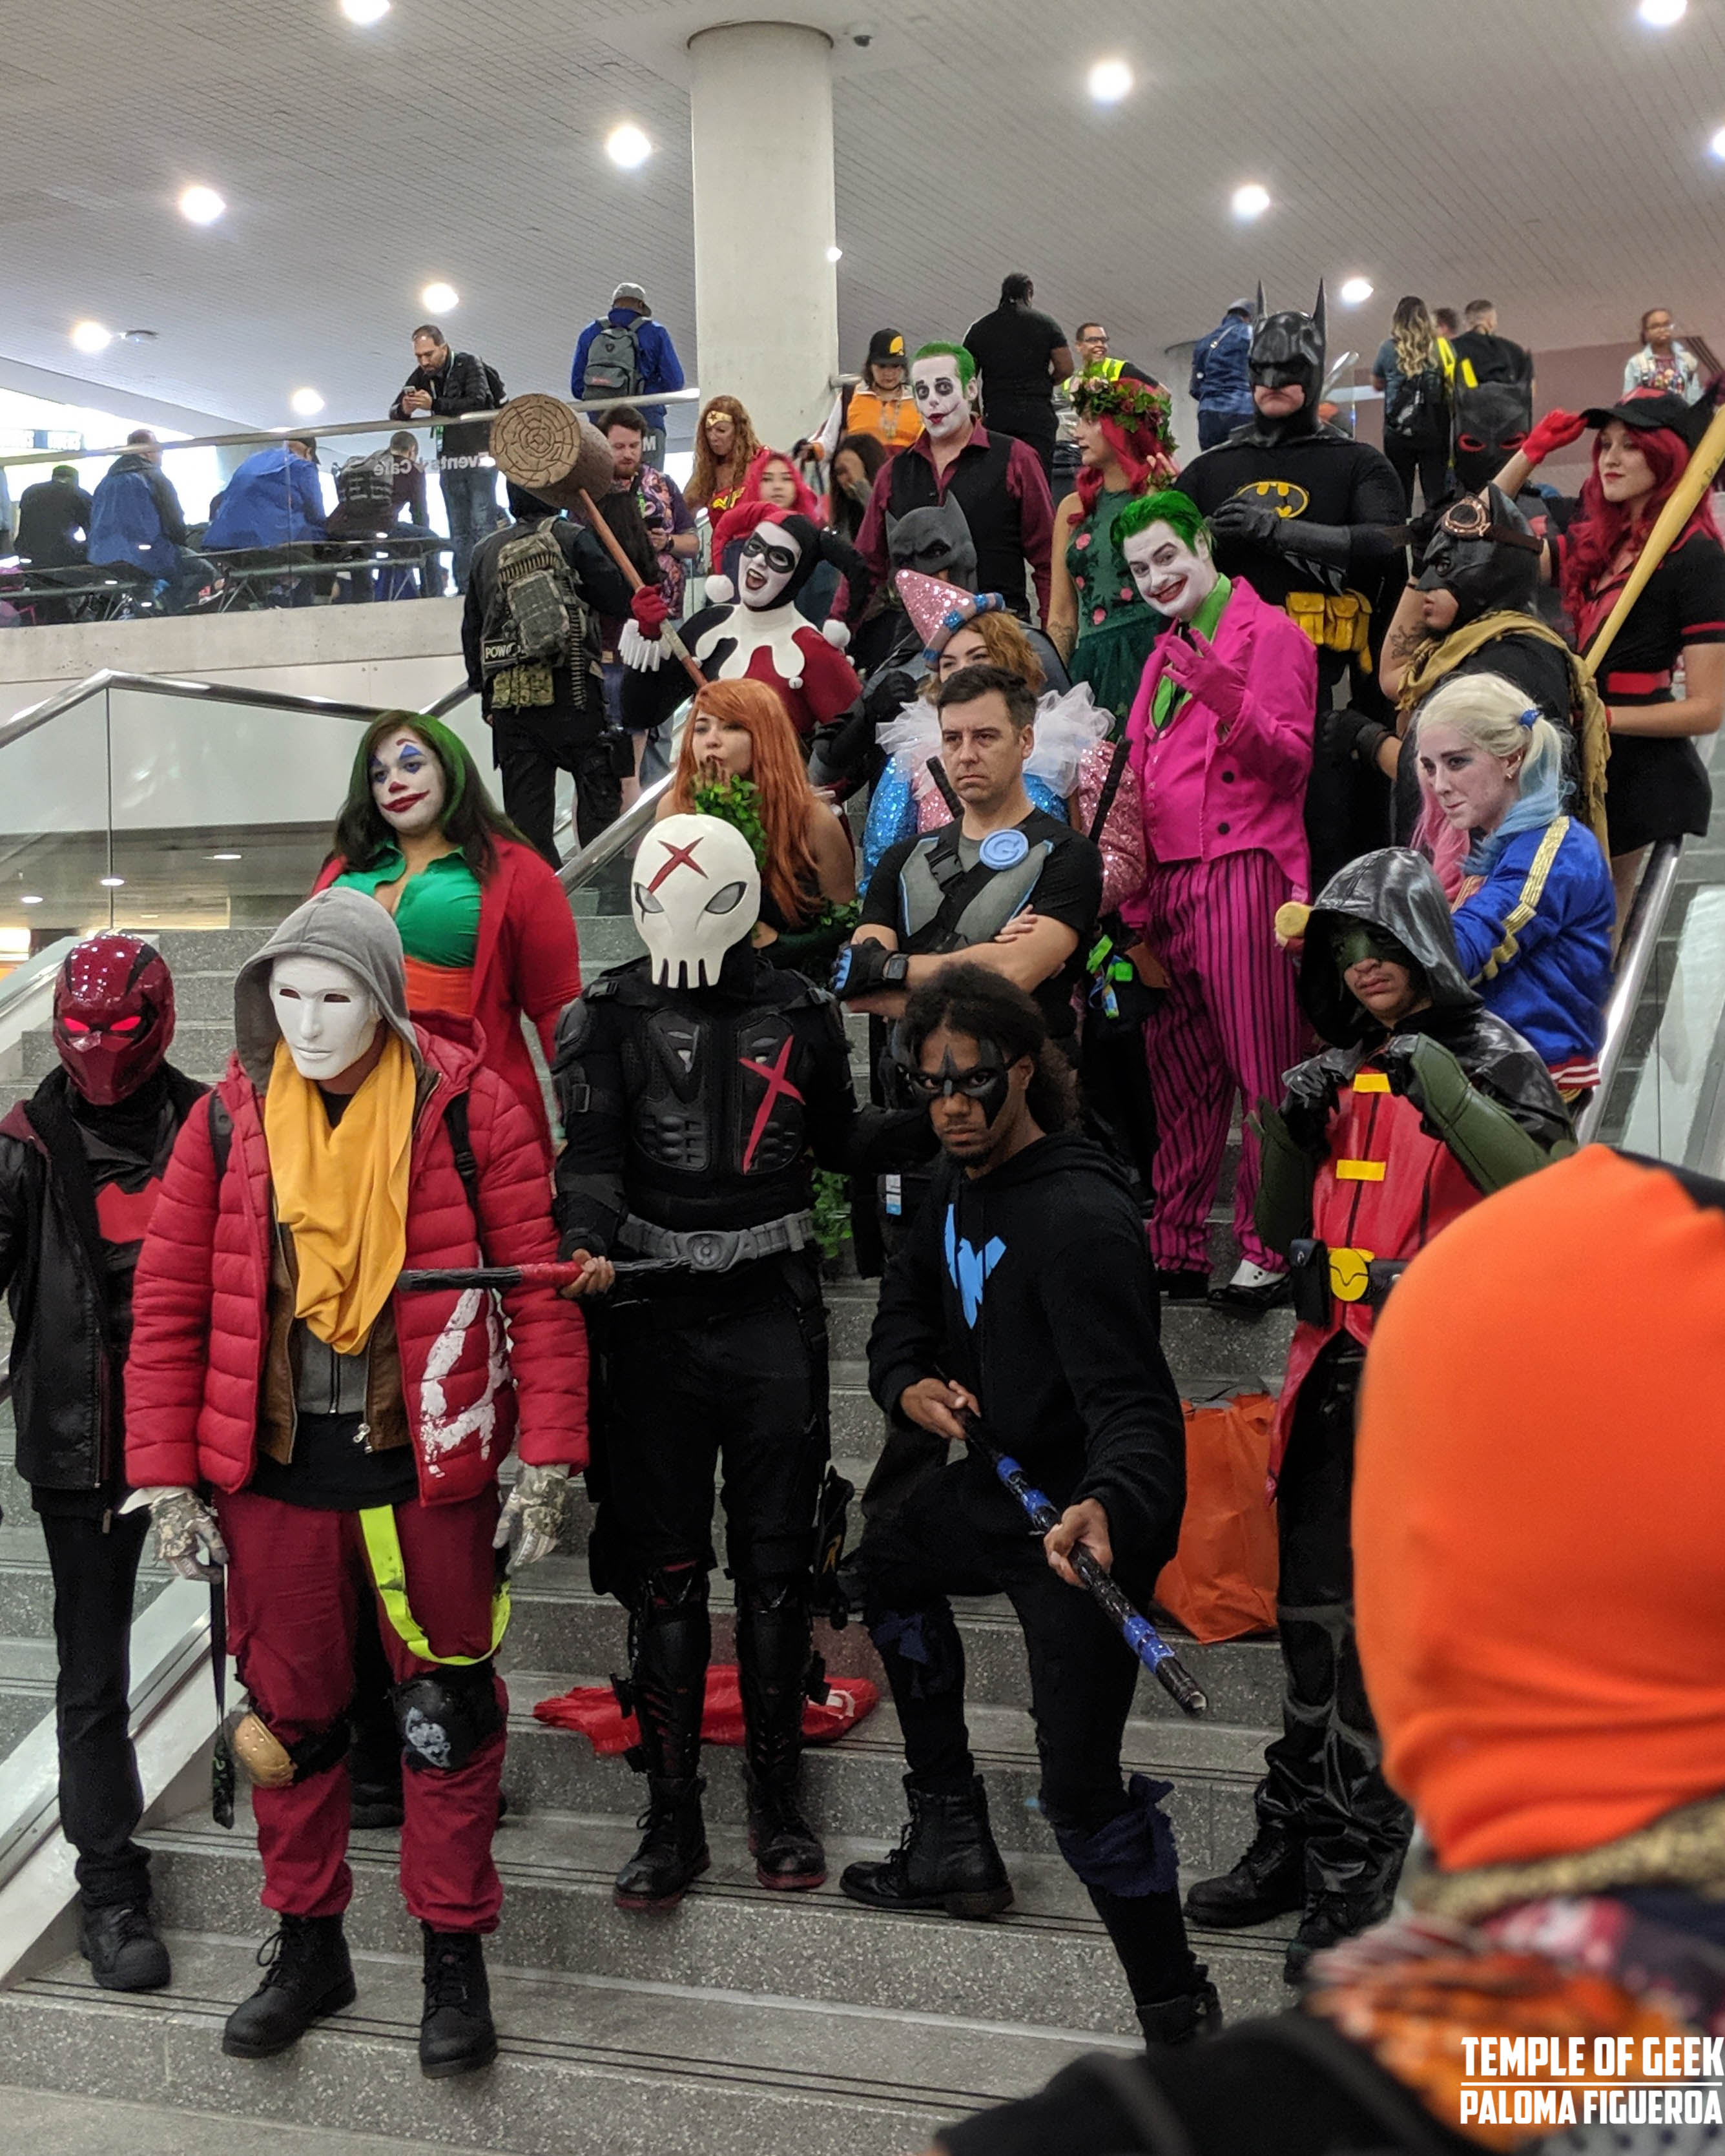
{"x":389,"y":1575}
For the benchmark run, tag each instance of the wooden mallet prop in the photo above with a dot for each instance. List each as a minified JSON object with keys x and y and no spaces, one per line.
{"x":559,"y":457}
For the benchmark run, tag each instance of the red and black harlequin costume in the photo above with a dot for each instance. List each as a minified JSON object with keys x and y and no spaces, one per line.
{"x":1380,"y":1141}
{"x":81,"y":1163}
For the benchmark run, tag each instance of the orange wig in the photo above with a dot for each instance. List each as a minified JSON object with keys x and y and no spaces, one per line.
{"x":776,"y":767}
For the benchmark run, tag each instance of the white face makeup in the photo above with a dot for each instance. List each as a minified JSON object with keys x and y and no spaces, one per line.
{"x":408,"y":784}
{"x":942,"y":397}
{"x":328,"y":1017}
{"x":1174,"y":577}
{"x":770,"y":556}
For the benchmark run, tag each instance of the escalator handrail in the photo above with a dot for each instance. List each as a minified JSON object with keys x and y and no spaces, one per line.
{"x":1635,"y":952}
{"x":68,"y":699}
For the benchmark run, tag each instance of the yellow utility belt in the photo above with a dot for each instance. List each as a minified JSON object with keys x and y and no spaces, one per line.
{"x":1335,"y":621}
{"x":389,"y":1575}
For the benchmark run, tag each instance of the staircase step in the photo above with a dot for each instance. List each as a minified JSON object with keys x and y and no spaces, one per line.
{"x":587,"y":2068}
{"x":856,"y":1786}
{"x":1049,"y":1956}
{"x":97,"y":2125}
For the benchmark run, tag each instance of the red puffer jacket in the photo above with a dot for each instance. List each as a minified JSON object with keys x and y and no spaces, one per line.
{"x":200,"y":1305}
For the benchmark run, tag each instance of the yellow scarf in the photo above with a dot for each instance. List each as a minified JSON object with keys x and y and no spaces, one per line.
{"x":342,"y":1194}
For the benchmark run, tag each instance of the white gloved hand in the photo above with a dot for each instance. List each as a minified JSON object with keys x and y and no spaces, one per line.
{"x":642,"y":654}
{"x":188,"y":1539}
{"x":536,"y":1506}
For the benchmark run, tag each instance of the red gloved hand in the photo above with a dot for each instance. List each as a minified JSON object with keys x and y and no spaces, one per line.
{"x":1555,"y":431}
{"x":651,"y":612}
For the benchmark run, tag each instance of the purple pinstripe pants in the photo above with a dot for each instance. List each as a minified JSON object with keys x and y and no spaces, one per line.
{"x":1230,"y":1024}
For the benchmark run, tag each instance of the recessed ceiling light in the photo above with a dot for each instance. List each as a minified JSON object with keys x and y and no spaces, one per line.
{"x":30,"y":898}
{"x":226,"y":857}
{"x":1356,"y":292}
{"x":110,"y":883}
{"x":835,"y":254}
{"x":1250,"y":200}
{"x":1109,"y":80}
{"x":628,"y":146}
{"x":306,"y":402}
{"x":1660,"y":14}
{"x":1717,"y":145}
{"x":365,"y":13}
{"x":91,"y":337}
{"x":440,"y":298}
{"x":202,"y":205}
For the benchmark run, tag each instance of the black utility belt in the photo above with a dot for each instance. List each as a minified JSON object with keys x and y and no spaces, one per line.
{"x":1323,"y":1275}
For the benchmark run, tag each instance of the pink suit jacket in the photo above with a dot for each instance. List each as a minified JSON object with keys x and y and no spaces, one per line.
{"x":1207,"y":792}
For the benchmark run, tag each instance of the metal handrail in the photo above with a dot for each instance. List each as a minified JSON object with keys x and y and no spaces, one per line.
{"x":1635,"y":962}
{"x":263,"y":436}
{"x":582,"y":867}
{"x":64,"y":699}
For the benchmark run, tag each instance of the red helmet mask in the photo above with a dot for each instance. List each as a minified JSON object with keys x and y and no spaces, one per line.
{"x":113,"y":1016}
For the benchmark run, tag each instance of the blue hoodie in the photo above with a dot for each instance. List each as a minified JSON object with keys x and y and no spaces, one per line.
{"x":274,"y":499}
{"x":1535,"y":939}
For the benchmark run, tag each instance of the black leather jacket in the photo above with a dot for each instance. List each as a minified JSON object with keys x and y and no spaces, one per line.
{"x":67,"y":1396}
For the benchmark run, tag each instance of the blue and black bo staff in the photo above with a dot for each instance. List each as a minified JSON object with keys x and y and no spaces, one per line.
{"x":1140,"y":1635}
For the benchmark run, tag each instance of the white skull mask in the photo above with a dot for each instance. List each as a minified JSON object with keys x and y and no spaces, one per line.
{"x":697,"y":891}
{"x":327,"y":1015}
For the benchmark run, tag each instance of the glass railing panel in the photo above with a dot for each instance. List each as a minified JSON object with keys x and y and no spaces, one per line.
{"x":55,"y":828}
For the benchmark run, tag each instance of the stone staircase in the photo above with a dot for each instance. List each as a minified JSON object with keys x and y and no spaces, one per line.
{"x":744,"y":2019}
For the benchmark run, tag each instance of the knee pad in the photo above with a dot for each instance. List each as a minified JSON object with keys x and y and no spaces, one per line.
{"x":674,"y":1592}
{"x":444,"y":1715}
{"x":926,"y":1645}
{"x":765,"y":1598}
{"x":268,"y":1764}
{"x":1131,"y":1854}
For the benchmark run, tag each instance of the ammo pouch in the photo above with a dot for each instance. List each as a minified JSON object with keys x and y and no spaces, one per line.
{"x":1322,"y":1277}
{"x":1335,"y":621}
{"x":268,"y":1764}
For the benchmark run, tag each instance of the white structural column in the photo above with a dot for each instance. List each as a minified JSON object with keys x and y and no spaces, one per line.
{"x":765,"y":296}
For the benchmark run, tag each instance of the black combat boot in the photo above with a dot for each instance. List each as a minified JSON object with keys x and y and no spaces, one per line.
{"x":773,"y":1651}
{"x":945,"y":1858}
{"x":1269,"y":1880}
{"x":1328,"y":1919}
{"x":456,"y":2036}
{"x":1185,"y":2019}
{"x":123,"y":1948}
{"x":673,"y":1639}
{"x":309,"y":1975}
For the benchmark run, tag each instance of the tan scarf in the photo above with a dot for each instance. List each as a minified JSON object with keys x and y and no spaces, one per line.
{"x":342,"y":1194}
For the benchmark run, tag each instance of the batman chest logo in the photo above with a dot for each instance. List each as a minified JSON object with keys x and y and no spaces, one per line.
{"x":1284,"y":497}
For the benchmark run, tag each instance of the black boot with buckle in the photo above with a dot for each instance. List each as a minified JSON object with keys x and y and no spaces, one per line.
{"x":773,"y":1652}
{"x":673,"y":1639}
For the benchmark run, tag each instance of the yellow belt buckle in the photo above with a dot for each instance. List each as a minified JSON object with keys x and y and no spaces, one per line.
{"x":1349,"y":1278}
{"x":1359,"y":1170}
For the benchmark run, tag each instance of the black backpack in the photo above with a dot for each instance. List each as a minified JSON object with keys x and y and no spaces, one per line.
{"x":614,"y":363}
{"x":365,"y":486}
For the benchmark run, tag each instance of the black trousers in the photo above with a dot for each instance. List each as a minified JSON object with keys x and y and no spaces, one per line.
{"x":101,"y":1800}
{"x":1429,"y":460}
{"x":531,"y":747}
{"x":1324,"y":1783}
{"x":688,"y":1384}
{"x":1346,"y":801}
{"x":948,"y":1537}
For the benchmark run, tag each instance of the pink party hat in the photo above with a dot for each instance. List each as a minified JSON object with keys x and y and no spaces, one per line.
{"x":937,"y":608}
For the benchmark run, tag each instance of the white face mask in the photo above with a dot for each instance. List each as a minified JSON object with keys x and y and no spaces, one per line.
{"x":770,"y":558}
{"x":941,"y":398}
{"x":697,"y":891}
{"x":408,"y":785}
{"x":328,"y":1017}
{"x":1174,"y":577}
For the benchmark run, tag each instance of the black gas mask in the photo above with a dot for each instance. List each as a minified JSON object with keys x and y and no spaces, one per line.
{"x":1492,"y":423}
{"x":1287,"y":352}
{"x":1483,"y":552}
{"x":988,"y":1080}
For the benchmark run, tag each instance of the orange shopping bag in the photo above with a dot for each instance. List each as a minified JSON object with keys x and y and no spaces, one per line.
{"x":1221,"y":1583}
